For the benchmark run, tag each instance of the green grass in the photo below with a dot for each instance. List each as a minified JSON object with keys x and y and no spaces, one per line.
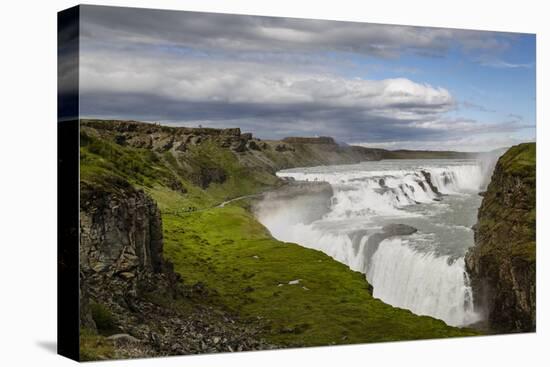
{"x":102,"y":162}
{"x":101,"y":159}
{"x":520,"y":160}
{"x":240,"y":179}
{"x":103,"y":319}
{"x":95,"y":347}
{"x":233,"y":254}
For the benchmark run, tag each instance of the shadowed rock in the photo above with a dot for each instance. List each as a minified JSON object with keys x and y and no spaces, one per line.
{"x":502,"y":264}
{"x":427,"y":175}
{"x":398,"y":230}
{"x":388,"y":231}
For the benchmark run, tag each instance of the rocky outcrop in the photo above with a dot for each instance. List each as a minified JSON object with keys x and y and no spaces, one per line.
{"x":165,"y":138}
{"x":428,"y":177}
{"x":127,"y":287}
{"x":208,"y":175}
{"x":502,"y":263}
{"x":388,"y":231}
{"x":121,"y":232}
{"x":271,"y":155}
{"x":120,"y":246}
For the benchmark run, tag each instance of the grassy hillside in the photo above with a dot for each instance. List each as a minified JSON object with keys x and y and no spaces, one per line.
{"x":233,"y":254}
{"x":226,"y":251}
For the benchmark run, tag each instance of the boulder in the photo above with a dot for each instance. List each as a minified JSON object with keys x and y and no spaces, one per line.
{"x":398,"y":229}
{"x":252,"y":145}
{"x":238,"y":145}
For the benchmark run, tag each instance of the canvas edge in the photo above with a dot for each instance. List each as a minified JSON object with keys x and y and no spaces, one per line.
{"x":68,"y":319}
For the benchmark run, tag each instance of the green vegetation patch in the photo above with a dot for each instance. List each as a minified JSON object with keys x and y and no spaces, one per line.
{"x":302,"y":296}
{"x":95,"y":347}
{"x":101,"y":159}
{"x":520,"y":160}
{"x":103,"y":319}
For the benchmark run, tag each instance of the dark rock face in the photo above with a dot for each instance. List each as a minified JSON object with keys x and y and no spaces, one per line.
{"x":398,"y":229}
{"x":254,"y":145}
{"x":120,"y":232}
{"x":208,"y":175}
{"x":427,"y":175}
{"x":284,"y":148}
{"x":120,"y":246}
{"x":388,"y":231}
{"x":238,"y":146}
{"x":502,"y":265}
{"x":86,"y":319}
{"x":246,"y":136}
{"x":123,"y":270}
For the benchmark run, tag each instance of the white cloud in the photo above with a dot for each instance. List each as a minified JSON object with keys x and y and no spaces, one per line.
{"x":507,"y":65}
{"x":256,"y":83}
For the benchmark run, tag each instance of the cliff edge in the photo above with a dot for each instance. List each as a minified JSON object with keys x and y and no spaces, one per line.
{"x":502,"y":264}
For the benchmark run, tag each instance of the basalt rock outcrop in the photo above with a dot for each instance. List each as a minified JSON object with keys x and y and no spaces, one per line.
{"x":127,"y":287}
{"x":121,"y":232}
{"x":502,"y":264}
{"x":388,"y":231}
{"x":120,"y":247}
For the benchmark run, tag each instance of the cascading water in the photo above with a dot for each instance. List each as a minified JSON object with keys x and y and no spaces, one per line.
{"x":423,"y":272}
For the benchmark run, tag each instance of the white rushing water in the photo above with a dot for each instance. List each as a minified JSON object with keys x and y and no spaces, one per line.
{"x":423,"y":272}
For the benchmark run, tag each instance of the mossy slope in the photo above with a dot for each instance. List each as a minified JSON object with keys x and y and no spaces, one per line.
{"x":229,"y":251}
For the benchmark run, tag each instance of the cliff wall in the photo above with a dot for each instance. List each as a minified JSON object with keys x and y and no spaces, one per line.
{"x":502,"y":264}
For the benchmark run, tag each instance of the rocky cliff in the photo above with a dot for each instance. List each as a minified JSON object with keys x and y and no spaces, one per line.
{"x":502,"y":263}
{"x":269,"y":154}
{"x":120,"y":231}
{"x":131,"y":294}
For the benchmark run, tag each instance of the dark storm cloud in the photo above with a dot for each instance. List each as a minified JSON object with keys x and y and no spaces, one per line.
{"x":126,"y":26}
{"x":278,"y":121}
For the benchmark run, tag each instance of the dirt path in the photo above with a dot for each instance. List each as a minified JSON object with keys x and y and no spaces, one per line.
{"x":239,"y":198}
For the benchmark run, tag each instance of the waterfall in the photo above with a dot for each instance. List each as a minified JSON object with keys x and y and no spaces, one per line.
{"x":401,"y":272}
{"x":423,"y":283}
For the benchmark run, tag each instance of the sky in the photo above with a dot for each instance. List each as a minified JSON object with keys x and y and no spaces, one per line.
{"x":386,"y":86}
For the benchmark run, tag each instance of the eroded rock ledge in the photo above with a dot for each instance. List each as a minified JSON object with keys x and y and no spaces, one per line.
{"x":128,"y":291}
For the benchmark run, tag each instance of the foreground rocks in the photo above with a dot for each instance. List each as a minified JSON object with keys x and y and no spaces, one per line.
{"x":502,"y":264}
{"x":121,"y":231}
{"x":129,"y":293}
